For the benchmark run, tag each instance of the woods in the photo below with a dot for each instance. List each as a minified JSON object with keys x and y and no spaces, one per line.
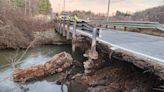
{"x":152,"y":14}
{"x":17,"y":21}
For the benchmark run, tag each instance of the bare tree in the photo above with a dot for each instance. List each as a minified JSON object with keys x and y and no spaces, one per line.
{"x":29,"y":7}
{"x":13,"y":58}
{"x":25,"y":9}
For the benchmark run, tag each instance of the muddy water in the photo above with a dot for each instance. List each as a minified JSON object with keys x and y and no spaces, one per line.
{"x":34,"y":56}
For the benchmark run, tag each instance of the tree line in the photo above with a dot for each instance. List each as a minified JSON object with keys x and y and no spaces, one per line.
{"x":18,"y":21}
{"x":31,"y":7}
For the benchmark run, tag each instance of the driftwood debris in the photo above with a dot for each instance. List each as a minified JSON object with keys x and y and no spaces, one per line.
{"x":56,"y":64}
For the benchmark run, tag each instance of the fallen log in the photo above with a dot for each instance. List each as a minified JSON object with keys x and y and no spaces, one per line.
{"x":56,"y":64}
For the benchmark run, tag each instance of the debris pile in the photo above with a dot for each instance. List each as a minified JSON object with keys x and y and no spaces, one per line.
{"x":56,"y":64}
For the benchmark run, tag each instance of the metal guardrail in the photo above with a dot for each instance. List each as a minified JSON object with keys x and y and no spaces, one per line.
{"x":88,"y":26}
{"x":82,"y":25}
{"x":131,"y":24}
{"x":134,"y":22}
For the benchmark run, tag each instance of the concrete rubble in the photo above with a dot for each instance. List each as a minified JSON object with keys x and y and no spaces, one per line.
{"x":56,"y":64}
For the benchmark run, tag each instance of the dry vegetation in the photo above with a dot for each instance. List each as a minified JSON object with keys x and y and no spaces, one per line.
{"x":87,"y":15}
{"x":15,"y":31}
{"x":153,"y":14}
{"x":16,"y":27}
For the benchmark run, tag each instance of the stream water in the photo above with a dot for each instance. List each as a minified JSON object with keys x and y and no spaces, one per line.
{"x":34,"y":56}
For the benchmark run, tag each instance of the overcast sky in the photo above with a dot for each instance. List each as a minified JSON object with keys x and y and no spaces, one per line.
{"x":100,"y":6}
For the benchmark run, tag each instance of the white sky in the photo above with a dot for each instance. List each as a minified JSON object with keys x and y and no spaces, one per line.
{"x":100,"y":6}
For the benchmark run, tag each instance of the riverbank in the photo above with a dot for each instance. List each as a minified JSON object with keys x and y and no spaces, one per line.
{"x":111,"y":72}
{"x":50,"y":37}
{"x":25,"y":31}
{"x":120,"y":76}
{"x":115,"y":76}
{"x":34,"y":56}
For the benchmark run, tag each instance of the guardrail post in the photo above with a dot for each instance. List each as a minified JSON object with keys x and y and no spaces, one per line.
{"x":64,"y":28}
{"x":74,"y":36}
{"x":125,"y":28}
{"x":99,"y":33}
{"x":94,"y":33}
{"x":74,"y":30}
{"x":68,"y":30}
{"x":106,"y":26}
{"x":57,"y":25}
{"x":114,"y":27}
{"x":92,"y":54}
{"x":60,"y":26}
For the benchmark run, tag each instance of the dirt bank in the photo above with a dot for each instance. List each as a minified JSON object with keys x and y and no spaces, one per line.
{"x":120,"y":76}
{"x":113,"y":75}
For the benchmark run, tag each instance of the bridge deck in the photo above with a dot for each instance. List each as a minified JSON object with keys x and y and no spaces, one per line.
{"x":151,"y":47}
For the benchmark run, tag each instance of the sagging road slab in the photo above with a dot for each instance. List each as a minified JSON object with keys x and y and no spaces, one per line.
{"x":147,"y":45}
{"x":145,"y":51}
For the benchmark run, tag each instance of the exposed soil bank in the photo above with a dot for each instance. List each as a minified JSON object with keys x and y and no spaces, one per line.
{"x":112,"y":74}
{"x":120,"y":76}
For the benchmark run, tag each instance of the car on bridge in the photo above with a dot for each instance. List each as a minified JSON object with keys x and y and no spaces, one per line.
{"x":65,"y":15}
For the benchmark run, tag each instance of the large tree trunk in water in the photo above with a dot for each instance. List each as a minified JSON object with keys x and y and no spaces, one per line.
{"x":56,"y":64}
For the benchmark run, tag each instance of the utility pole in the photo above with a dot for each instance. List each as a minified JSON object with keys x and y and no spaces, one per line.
{"x":63,"y":5}
{"x":108,"y":10}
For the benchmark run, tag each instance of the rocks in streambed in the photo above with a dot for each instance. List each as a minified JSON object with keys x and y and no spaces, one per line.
{"x":56,"y":64}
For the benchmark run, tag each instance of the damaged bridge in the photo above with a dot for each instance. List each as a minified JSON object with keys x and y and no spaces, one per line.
{"x":144,"y":51}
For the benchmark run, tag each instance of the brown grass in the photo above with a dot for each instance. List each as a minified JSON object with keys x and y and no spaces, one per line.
{"x":16,"y":28}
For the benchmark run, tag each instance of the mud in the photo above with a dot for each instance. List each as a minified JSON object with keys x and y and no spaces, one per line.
{"x":112,"y":74}
{"x":121,"y":76}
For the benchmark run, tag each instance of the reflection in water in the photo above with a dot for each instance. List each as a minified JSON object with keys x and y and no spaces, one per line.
{"x":34,"y":56}
{"x":42,"y":86}
{"x":45,"y":86}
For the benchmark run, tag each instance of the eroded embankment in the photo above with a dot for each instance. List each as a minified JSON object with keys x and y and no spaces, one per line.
{"x":111,"y":73}
{"x":120,"y":76}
